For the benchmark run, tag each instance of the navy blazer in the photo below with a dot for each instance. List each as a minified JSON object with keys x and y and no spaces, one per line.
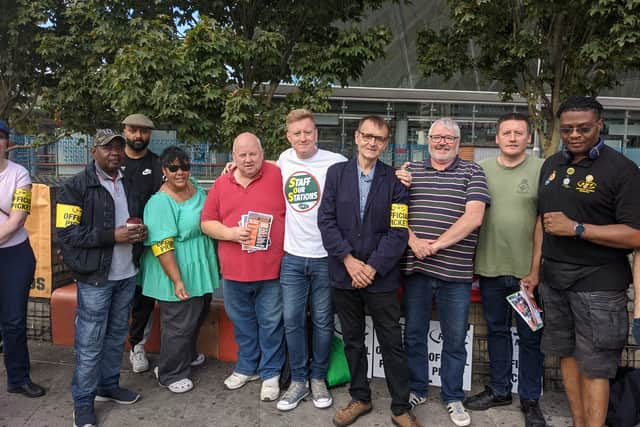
{"x":371,"y":240}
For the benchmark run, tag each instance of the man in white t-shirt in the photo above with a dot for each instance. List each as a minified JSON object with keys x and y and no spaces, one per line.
{"x":304,"y":274}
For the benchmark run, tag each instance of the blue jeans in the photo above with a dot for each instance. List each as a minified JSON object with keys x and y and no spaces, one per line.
{"x":102,"y":323}
{"x":304,"y":281}
{"x":498,"y":313}
{"x":255,"y":309}
{"x":452,"y":300}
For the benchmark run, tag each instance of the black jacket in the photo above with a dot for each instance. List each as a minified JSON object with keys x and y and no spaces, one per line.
{"x":87,"y":236}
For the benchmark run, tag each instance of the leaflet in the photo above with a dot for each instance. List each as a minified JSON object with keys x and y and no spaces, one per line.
{"x":526,"y":308}
{"x":259,"y":225}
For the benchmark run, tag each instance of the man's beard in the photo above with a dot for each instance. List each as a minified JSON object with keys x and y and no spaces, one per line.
{"x":138,"y":145}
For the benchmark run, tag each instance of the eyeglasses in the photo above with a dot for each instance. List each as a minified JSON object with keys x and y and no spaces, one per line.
{"x":368,"y":137}
{"x":443,"y":138}
{"x":582,"y":130}
{"x":174,"y":168}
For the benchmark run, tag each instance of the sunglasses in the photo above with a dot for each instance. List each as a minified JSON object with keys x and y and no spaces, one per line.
{"x":582,"y":130}
{"x":174,"y":168}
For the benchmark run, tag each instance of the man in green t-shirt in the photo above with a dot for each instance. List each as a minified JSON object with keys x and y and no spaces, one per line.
{"x":509,"y":253}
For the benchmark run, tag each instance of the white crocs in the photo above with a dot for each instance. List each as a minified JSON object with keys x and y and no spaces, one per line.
{"x":181,"y":386}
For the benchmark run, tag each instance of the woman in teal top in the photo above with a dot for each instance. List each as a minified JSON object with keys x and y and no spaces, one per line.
{"x":180,"y":270}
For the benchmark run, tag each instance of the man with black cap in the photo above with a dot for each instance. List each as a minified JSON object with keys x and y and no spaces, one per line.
{"x":99,"y":246}
{"x":143,"y":173}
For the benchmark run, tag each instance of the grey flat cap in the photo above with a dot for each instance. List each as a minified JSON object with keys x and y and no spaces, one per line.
{"x":105,"y":136}
{"x":138,"y":120}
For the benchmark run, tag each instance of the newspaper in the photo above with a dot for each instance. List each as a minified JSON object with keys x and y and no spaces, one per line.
{"x":526,"y":308}
{"x":259,"y":225}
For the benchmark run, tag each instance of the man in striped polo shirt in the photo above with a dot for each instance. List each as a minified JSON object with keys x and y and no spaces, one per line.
{"x":448,"y":196}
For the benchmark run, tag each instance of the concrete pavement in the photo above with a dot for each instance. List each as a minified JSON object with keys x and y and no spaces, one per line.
{"x":210,"y":404}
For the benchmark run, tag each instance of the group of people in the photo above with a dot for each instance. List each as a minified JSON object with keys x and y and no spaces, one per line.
{"x":339,"y":237}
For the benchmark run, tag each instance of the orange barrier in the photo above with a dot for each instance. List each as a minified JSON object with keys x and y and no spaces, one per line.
{"x":63,"y":313}
{"x":215,"y":339}
{"x":228,"y":348}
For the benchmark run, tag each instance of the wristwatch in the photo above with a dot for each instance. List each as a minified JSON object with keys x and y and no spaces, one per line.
{"x":579,"y":229}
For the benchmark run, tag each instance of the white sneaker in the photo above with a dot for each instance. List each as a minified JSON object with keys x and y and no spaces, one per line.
{"x":138,"y":359}
{"x":415,"y":400}
{"x":199,"y":360}
{"x":270,"y":389}
{"x":236,"y":380}
{"x":459,"y":416}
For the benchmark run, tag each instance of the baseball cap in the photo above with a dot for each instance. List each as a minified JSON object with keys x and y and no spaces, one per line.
{"x":4,"y":127}
{"x":138,"y":120}
{"x":105,"y":136}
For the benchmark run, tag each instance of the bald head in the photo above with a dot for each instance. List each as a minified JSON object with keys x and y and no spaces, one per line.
{"x":247,"y":155}
{"x":244,"y":138}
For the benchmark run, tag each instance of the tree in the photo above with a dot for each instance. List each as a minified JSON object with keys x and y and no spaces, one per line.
{"x":542,"y":50}
{"x":22,"y":70}
{"x":218,"y":78}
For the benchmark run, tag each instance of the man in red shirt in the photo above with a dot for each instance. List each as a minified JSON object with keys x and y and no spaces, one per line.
{"x":240,"y":208}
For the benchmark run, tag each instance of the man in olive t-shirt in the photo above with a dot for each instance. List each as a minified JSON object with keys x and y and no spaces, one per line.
{"x":509,"y":252}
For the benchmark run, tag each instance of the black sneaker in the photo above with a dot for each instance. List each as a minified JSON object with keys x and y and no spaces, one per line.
{"x":485,"y":400}
{"x":118,"y":395}
{"x":532,"y":414}
{"x":84,"y":416}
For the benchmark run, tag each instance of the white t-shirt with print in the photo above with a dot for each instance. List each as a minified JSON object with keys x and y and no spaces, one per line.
{"x":303,"y":182}
{"x":13,"y":177}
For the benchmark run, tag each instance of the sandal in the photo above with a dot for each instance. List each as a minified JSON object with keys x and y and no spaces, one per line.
{"x":181,"y":386}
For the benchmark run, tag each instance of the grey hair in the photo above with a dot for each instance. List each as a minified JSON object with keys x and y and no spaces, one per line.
{"x":447,"y":122}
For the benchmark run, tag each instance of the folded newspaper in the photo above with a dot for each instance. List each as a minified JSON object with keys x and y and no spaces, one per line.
{"x":526,"y":308}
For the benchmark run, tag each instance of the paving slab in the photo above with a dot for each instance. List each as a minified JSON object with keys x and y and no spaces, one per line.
{"x":210,"y":404}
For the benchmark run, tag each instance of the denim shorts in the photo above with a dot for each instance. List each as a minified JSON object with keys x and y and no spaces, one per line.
{"x":590,"y":326}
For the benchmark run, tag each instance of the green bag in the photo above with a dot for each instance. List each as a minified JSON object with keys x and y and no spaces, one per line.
{"x":338,"y":372}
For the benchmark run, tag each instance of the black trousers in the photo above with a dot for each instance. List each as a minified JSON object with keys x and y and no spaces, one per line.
{"x":180,"y":321}
{"x":384,"y":309}
{"x":17,"y":266}
{"x":141,"y":309}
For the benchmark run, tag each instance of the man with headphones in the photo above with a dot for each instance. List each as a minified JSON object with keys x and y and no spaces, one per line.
{"x":591,"y":221}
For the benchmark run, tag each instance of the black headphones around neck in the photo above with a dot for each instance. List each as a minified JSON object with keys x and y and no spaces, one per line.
{"x":593,"y":154}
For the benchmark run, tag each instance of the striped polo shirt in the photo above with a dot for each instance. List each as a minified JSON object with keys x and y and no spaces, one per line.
{"x":437,"y":200}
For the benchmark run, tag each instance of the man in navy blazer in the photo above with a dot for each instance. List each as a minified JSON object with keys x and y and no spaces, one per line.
{"x":363,"y":219}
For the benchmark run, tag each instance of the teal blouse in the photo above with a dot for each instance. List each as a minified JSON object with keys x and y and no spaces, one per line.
{"x":194,"y":251}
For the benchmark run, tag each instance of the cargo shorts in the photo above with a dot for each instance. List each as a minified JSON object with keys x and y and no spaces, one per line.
{"x":590,"y":326}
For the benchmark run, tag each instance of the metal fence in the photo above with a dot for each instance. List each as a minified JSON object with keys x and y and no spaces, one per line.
{"x":71,"y":154}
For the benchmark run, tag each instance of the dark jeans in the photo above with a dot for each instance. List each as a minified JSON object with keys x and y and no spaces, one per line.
{"x":141,"y":310}
{"x":17,"y":266}
{"x":498,"y":314}
{"x":452,"y":300}
{"x":384,"y":309}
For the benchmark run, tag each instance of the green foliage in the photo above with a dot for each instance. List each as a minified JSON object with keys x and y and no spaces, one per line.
{"x":542,"y":50}
{"x":209,"y":69}
{"x":22,"y":70}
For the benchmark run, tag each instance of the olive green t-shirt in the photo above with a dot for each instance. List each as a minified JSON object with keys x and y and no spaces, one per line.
{"x":505,"y":242}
